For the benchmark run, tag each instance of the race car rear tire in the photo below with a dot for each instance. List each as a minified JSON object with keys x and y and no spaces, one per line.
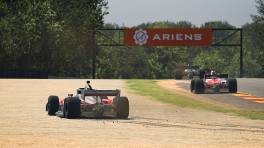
{"x":198,"y":86}
{"x":122,"y":107}
{"x":72,"y":107}
{"x":201,"y":74}
{"x":232,"y":85}
{"x":53,"y":105}
{"x":192,"y":85}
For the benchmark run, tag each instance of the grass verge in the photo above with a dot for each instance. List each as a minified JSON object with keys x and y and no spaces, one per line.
{"x":152,"y":89}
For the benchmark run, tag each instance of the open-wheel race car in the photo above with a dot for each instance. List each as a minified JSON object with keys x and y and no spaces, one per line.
{"x":89,"y":102}
{"x":216,"y":83}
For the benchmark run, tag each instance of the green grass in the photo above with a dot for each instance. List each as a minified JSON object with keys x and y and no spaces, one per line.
{"x":152,"y":89}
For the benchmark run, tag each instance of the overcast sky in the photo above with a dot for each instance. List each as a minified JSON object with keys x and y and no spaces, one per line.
{"x":133,"y":12}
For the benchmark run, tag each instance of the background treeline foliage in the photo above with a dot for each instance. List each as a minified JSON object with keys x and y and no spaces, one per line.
{"x":55,"y":37}
{"x":49,"y":35}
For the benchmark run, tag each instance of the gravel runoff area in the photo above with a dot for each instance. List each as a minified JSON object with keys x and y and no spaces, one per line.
{"x":24,"y":122}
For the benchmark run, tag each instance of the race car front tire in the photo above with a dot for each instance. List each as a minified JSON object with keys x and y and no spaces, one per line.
{"x":232,"y":85}
{"x":72,"y":108}
{"x":53,"y":105}
{"x":122,"y":107}
{"x":198,"y":86}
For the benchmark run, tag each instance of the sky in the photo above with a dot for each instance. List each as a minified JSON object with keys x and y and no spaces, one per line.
{"x":134,"y":12}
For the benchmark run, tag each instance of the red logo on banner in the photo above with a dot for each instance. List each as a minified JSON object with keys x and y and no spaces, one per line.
{"x":168,"y":37}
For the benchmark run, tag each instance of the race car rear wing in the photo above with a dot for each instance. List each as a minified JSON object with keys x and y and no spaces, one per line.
{"x":223,"y":75}
{"x":208,"y":76}
{"x":102,"y":92}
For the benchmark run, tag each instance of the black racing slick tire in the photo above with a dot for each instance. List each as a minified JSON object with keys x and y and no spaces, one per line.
{"x":201,"y":74}
{"x":198,"y":86}
{"x":192,"y":85}
{"x":122,"y":107}
{"x":232,"y":85}
{"x":53,"y":105}
{"x":72,"y":108}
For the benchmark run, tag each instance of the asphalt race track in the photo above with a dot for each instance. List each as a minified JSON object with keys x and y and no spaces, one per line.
{"x":249,"y":86}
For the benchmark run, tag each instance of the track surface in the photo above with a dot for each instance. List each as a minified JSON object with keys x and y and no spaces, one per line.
{"x":252,"y":86}
{"x":24,"y":122}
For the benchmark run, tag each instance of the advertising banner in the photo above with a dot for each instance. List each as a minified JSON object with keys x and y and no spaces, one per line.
{"x":167,"y":37}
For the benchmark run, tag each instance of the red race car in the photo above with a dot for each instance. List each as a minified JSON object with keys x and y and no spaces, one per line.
{"x":89,"y":102}
{"x":215,"y":83}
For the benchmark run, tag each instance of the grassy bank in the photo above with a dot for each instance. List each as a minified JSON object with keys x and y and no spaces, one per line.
{"x":152,"y":89}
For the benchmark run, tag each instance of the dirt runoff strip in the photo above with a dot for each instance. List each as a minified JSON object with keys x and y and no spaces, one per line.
{"x":24,"y":122}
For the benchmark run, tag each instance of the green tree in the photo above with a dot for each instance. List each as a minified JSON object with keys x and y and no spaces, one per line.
{"x":27,"y":29}
{"x":51,"y":36}
{"x":79,"y":19}
{"x":256,"y":35}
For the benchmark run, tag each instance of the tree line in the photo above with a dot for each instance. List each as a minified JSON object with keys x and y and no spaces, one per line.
{"x":55,"y":37}
{"x":49,"y":36}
